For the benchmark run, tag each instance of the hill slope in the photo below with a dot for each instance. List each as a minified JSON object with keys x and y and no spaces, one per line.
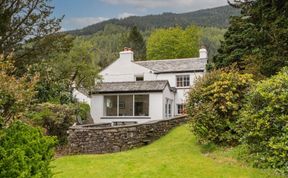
{"x":175,"y":155}
{"x":214,"y":17}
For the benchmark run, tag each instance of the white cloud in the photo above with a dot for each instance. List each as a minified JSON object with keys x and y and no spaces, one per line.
{"x":125,"y":14}
{"x":185,"y":4}
{"x":80,"y":22}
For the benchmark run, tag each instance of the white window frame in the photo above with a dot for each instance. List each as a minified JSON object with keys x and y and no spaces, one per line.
{"x":168,"y":108}
{"x":118,"y":100}
{"x":185,"y":81}
{"x":183,"y":107}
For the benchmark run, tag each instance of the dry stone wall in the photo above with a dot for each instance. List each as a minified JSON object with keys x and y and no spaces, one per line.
{"x":99,"y":139}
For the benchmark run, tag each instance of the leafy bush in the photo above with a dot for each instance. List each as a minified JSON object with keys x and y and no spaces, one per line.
{"x":214,"y":103}
{"x":264,"y":122}
{"x":57,"y":118}
{"x":25,"y":152}
{"x":16,"y":93}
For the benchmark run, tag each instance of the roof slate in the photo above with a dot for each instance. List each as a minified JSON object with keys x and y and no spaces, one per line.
{"x":174,"y":65}
{"x":130,"y":87}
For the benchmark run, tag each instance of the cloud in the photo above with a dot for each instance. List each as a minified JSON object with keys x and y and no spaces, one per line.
{"x":125,"y":14}
{"x":80,"y":22}
{"x":186,"y":4}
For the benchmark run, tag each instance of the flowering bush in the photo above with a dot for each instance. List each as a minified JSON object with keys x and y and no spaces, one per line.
{"x":15,"y":93}
{"x":214,"y":103}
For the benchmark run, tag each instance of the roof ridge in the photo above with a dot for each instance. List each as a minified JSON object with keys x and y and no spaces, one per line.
{"x":168,"y":60}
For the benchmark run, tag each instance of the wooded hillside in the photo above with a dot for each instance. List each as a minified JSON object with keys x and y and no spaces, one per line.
{"x":214,"y":17}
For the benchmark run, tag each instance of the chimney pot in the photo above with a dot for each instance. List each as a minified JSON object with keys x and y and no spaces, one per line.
{"x":127,"y":54}
{"x":203,"y":54}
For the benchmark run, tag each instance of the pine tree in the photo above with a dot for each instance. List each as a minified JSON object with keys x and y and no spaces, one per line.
{"x":136,"y":42}
{"x":261,"y":31}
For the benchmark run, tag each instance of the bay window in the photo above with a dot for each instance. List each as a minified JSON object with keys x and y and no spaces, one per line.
{"x":126,"y":105}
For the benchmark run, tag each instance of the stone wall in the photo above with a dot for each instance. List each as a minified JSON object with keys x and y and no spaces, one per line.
{"x":99,"y":139}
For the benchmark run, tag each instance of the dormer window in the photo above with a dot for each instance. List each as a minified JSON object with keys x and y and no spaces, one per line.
{"x":139,"y":78}
{"x":183,"y":80}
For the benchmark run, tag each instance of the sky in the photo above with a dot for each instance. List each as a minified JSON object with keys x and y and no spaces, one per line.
{"x":81,"y":13}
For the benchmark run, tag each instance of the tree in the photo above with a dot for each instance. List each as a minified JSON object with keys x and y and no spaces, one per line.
{"x":60,"y":72}
{"x":27,"y":29}
{"x":15,"y":93}
{"x":173,"y":43}
{"x":137,"y":43}
{"x":261,"y":31}
{"x":24,"y":20}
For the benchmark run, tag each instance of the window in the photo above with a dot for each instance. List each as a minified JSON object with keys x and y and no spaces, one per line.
{"x":139,"y":78}
{"x":183,"y":80}
{"x":141,"y":105}
{"x":126,"y":105}
{"x":110,"y":105}
{"x":168,"y":108}
{"x":180,"y":109}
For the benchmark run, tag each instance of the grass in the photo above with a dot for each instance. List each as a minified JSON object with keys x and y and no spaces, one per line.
{"x":175,"y":155}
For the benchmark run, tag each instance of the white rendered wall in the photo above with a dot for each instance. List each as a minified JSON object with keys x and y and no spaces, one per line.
{"x":80,"y":97}
{"x":124,"y":69}
{"x":181,"y":94}
{"x":167,"y":94}
{"x":97,"y":108}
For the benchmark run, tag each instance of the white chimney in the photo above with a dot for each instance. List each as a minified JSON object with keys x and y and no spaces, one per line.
{"x":127,"y":54}
{"x":203,"y":54}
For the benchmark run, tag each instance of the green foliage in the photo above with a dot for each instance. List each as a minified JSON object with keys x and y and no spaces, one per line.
{"x":29,"y":31}
{"x":23,"y":20}
{"x":57,"y":119}
{"x":106,"y":44}
{"x":214,"y":103}
{"x":137,"y":43}
{"x":262,"y":32}
{"x":40,"y":50}
{"x":211,"y":38}
{"x":64,"y":69}
{"x":79,"y":63}
{"x":15,"y":93}
{"x":173,"y":43}
{"x":264,"y":122}
{"x":25,"y":152}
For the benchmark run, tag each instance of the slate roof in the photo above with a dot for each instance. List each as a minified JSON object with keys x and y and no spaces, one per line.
{"x":174,"y":65}
{"x":132,"y":87}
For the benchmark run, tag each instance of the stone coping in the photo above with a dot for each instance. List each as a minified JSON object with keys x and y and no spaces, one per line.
{"x":98,"y":126}
{"x":125,"y":117}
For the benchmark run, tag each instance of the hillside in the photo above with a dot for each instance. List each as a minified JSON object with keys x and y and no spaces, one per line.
{"x":214,"y":17}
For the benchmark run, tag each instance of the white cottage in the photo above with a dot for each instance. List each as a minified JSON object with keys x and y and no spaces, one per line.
{"x":143,"y":91}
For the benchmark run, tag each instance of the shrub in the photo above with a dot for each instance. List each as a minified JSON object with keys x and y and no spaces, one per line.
{"x":25,"y":152}
{"x":57,"y":118}
{"x":264,"y":122}
{"x":16,"y":93}
{"x":214,"y":103}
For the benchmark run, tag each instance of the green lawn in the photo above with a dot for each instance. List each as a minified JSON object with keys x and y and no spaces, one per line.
{"x":175,"y":155}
